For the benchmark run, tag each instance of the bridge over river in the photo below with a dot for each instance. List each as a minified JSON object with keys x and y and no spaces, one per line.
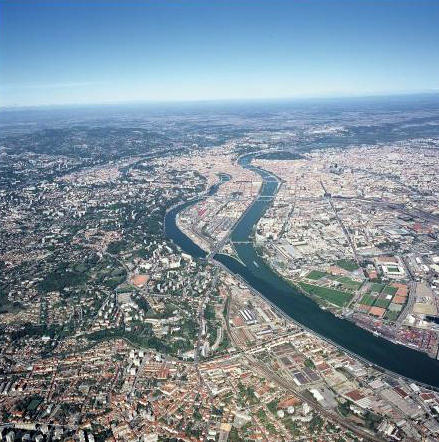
{"x":301,"y":309}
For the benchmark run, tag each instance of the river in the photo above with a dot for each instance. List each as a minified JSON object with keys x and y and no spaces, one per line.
{"x":379,"y":351}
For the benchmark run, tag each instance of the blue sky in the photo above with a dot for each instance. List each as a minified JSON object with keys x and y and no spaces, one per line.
{"x":65,"y":52}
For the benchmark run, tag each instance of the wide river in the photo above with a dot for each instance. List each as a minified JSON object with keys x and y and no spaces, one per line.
{"x":397,"y":358}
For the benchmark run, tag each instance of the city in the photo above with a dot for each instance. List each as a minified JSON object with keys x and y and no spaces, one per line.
{"x":112,"y":330}
{"x":219,"y":221}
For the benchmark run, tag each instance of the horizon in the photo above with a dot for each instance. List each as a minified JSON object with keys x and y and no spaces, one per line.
{"x":286,"y":100}
{"x":93,"y":52}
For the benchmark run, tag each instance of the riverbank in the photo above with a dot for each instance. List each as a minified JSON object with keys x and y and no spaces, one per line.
{"x":377,"y":351}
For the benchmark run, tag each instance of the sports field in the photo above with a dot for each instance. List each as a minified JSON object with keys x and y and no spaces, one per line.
{"x":348,"y":283}
{"x":367,"y":300}
{"x":377,"y":287}
{"x":335,"y":297}
{"x":315,"y":275}
{"x":347,"y":264}
{"x":389,"y":290}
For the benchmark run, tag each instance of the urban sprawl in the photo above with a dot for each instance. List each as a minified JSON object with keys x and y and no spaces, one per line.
{"x":111,"y":332}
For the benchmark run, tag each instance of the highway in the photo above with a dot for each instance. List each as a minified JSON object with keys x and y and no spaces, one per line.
{"x":340,"y":221}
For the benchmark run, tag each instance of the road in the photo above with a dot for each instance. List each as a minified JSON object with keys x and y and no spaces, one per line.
{"x":340,"y":221}
{"x":198,"y":343}
{"x":411,"y":299}
{"x":409,"y":306}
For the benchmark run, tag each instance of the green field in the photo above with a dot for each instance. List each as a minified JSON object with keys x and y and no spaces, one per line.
{"x":315,"y":275}
{"x":348,"y":283}
{"x":391,"y":315}
{"x":33,"y":404}
{"x":376,"y":287}
{"x":347,"y":264}
{"x":395,"y":307}
{"x":389,"y":290}
{"x":384,"y":303}
{"x":336,"y":297}
{"x":367,"y":300}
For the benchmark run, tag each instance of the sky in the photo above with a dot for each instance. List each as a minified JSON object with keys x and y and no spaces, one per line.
{"x":78,"y":52}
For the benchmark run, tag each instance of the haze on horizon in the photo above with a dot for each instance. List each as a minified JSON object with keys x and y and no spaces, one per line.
{"x":84,"y":52}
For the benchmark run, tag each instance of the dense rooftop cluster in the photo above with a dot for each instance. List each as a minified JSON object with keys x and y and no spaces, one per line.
{"x":111,"y":332}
